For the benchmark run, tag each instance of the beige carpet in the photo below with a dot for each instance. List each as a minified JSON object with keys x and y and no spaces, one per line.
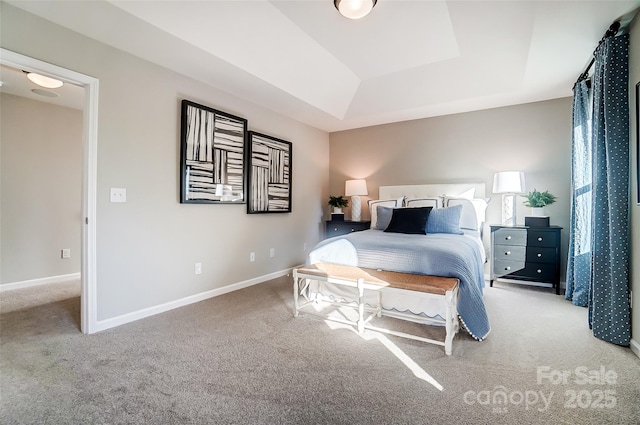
{"x":243,"y":359}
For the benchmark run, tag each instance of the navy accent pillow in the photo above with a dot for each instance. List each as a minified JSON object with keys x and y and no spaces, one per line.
{"x":445,"y":220}
{"x":409,"y":220}
{"x":384,"y":217}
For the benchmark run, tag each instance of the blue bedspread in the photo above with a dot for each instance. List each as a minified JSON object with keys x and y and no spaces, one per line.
{"x":436,"y":254}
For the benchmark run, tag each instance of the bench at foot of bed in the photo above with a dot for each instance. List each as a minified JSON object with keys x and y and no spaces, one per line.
{"x":363,"y":279}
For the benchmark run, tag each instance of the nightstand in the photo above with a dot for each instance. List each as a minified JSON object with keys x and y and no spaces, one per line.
{"x":526,"y":253}
{"x":338,"y":228}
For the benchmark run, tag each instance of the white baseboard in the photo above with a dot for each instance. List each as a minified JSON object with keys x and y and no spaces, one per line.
{"x":105,"y":324}
{"x":487,"y":278}
{"x":40,"y":281}
{"x":635,"y":347}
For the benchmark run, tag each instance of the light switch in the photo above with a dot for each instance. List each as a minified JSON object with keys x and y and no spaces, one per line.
{"x":118,"y":194}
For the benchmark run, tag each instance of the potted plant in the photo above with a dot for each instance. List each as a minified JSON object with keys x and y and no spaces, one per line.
{"x":538,"y":200}
{"x":338,"y":203}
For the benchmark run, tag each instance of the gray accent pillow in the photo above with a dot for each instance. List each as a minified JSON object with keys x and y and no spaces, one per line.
{"x":384,"y":217}
{"x":445,"y":220}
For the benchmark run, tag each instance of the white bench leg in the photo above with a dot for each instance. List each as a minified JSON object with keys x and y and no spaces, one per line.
{"x":295,"y":293}
{"x":360,"y":306}
{"x":449,"y":324}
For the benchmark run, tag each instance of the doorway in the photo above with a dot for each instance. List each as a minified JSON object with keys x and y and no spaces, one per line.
{"x":88,"y":301}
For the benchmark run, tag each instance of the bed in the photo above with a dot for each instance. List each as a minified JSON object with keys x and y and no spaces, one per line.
{"x":452,"y":249}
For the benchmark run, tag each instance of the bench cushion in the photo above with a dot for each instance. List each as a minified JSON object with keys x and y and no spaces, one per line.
{"x":413,"y":282}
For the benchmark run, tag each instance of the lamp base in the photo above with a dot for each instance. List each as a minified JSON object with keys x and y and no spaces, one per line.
{"x":356,"y":208}
{"x":509,"y":209}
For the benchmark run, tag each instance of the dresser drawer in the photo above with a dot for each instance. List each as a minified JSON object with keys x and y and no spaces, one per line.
{"x":504,"y":267}
{"x":542,"y":255}
{"x":539,"y":272}
{"x":537,"y":237}
{"x":507,"y":236}
{"x":510,"y":252}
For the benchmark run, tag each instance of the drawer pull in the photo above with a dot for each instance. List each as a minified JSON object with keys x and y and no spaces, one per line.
{"x":507,"y":253}
{"x":507,"y":238}
{"x":335,"y":229}
{"x":352,"y":230}
{"x":539,"y":271}
{"x":507,"y":268}
{"x":540,"y":239}
{"x":539,"y":255}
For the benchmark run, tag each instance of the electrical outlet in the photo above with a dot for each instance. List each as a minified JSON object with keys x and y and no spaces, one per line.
{"x":198,"y":268}
{"x":252,"y":256}
{"x":272,"y":252}
{"x":66,"y":253}
{"x":118,"y":194}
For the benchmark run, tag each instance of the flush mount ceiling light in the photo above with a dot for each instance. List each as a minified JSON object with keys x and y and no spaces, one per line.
{"x":42,"y":81}
{"x":354,"y":9}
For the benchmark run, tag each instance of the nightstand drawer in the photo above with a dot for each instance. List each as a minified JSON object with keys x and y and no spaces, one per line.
{"x":537,"y":237}
{"x":510,"y":252}
{"x":542,"y":255}
{"x":508,"y":236}
{"x":339,"y":228}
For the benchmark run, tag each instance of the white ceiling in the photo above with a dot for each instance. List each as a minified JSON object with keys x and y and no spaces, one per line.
{"x":406,"y":60}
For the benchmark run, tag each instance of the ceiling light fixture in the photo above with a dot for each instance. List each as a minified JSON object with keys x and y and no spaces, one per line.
{"x":42,"y":81}
{"x":354,"y":9}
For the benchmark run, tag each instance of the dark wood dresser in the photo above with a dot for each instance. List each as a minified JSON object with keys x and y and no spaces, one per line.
{"x":526,"y":253}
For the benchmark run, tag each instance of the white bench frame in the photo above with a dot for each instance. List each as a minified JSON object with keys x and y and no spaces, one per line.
{"x":450,"y":298}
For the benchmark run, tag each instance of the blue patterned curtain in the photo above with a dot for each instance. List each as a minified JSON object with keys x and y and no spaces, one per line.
{"x":609,"y":310}
{"x":579,"y":262}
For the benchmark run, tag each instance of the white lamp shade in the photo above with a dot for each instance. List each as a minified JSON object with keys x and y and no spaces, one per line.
{"x":355,"y":188}
{"x":508,"y":182}
{"x":354,"y":9}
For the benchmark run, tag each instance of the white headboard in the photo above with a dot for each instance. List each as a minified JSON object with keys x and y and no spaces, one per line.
{"x":430,"y":190}
{"x":474,"y":206}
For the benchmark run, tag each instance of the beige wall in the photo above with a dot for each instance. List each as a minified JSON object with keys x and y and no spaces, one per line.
{"x":41,"y":179}
{"x":147,"y":247}
{"x":634,"y":78}
{"x":534,"y":138}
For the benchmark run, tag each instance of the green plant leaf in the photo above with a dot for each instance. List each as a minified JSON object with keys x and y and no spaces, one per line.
{"x":338,"y":202}
{"x":537,"y":199}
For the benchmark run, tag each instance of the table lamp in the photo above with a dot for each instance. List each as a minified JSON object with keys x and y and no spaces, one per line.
{"x":508,"y":183}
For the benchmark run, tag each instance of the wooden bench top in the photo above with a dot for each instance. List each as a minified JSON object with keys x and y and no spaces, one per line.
{"x":414,"y":282}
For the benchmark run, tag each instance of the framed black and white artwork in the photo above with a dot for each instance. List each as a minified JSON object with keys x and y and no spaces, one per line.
{"x":269,"y":175}
{"x":213,"y":152}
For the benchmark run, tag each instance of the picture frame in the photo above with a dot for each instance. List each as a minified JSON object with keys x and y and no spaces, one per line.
{"x":269,"y":174}
{"x":213,"y":152}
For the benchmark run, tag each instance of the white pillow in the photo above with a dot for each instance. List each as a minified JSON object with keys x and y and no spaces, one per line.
{"x":467,"y":194}
{"x":436,"y":202}
{"x":373,"y":204}
{"x":473,"y":211}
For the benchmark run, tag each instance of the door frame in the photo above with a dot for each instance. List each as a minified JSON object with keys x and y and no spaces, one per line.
{"x":88,"y":296}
